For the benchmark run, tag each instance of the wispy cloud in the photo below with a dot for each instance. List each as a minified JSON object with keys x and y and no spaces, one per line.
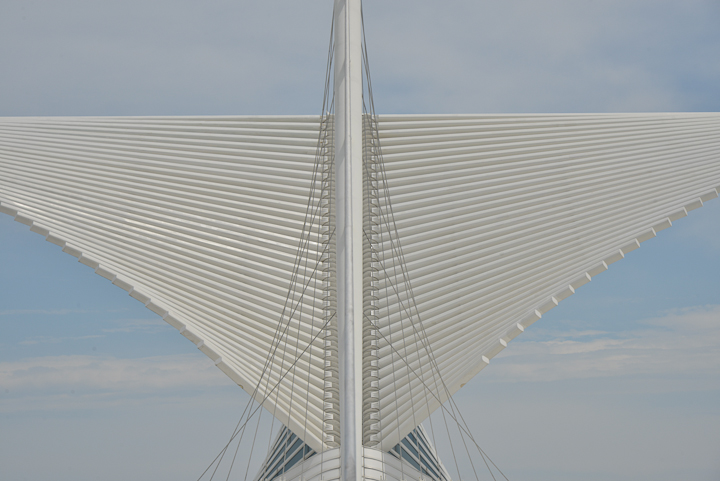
{"x":684,"y":341}
{"x":57,"y":382}
{"x":43,"y":312}
{"x":55,"y":340}
{"x":54,"y":312}
{"x":124,"y":326}
{"x":138,"y":325}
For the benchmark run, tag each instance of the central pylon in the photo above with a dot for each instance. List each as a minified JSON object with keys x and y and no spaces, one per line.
{"x":348,"y":89}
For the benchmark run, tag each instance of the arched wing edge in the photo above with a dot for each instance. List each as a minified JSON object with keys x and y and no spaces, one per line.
{"x":155,"y":306}
{"x":534,"y":315}
{"x":166,"y":314}
{"x":523,"y":322}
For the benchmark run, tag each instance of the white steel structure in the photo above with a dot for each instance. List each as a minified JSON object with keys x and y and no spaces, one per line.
{"x":349,"y":230}
{"x":426,"y":243}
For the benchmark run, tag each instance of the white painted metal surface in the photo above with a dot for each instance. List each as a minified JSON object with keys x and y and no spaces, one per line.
{"x":349,"y":230}
{"x":503,"y":216}
{"x":199,"y":218}
{"x":500,"y":218}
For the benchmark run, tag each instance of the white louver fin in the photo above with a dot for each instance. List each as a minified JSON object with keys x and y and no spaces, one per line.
{"x":199,"y":218}
{"x":500,"y":217}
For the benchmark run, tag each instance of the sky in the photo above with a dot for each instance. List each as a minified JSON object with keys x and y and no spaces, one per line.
{"x":621,"y":381}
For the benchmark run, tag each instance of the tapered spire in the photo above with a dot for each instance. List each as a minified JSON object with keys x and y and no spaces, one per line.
{"x":349,"y":196}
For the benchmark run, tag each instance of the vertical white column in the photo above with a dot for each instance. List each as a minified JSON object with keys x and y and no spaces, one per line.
{"x":349,"y":224}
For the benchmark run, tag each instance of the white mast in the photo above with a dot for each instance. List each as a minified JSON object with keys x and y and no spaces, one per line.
{"x":349,"y":196}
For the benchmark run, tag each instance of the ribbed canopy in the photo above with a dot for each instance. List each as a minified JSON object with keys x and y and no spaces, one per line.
{"x":199,"y":218}
{"x":495,"y":219}
{"x":500,"y":217}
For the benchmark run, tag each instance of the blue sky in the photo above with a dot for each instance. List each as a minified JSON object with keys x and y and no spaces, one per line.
{"x":621,"y":381}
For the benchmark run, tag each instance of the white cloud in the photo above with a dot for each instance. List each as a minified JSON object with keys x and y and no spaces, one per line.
{"x":55,"y":340}
{"x":124,"y":326}
{"x":138,"y":325}
{"x":54,"y":312}
{"x":685,"y":341}
{"x":42,"y":312}
{"x":72,"y":382}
